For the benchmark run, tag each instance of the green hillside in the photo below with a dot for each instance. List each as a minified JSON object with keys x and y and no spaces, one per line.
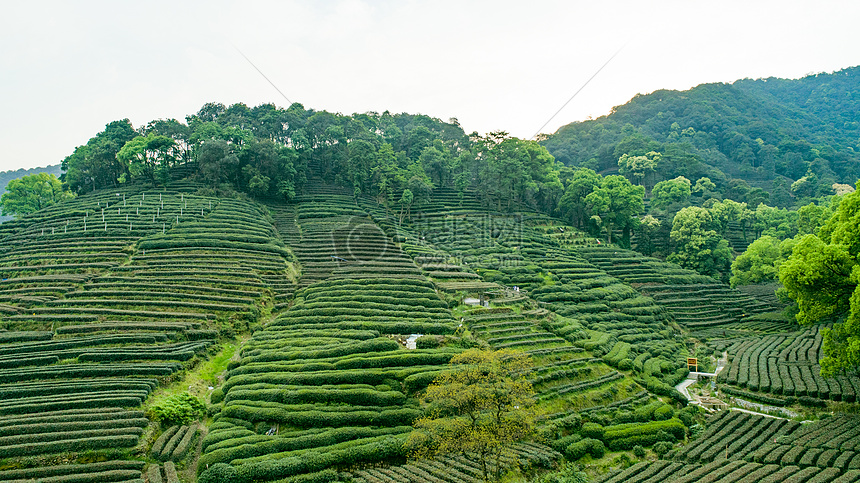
{"x":765,"y":133}
{"x":266,"y":294}
{"x":117,"y":296}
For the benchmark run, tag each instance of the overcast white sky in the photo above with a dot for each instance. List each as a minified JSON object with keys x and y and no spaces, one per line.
{"x":69,"y":68}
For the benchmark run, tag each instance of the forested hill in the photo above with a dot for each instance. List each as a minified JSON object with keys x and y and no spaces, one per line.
{"x":767,"y":133}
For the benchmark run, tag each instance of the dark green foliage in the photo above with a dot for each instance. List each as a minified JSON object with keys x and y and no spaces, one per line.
{"x":178,"y":409}
{"x":170,"y":475}
{"x":75,"y":444}
{"x":662,"y":448}
{"x":717,"y":130}
{"x":153,"y":474}
{"x":687,"y":415}
{"x":811,"y":402}
{"x":64,"y":470}
{"x":626,"y":436}
{"x":386,"y":448}
{"x":561,"y":443}
{"x":594,"y":447}
{"x":419,"y":381}
{"x":316,"y":418}
{"x":217,"y":396}
{"x":161,"y":442}
{"x":249,"y":446}
{"x":185,"y":444}
{"x":592,"y":430}
{"x":219,"y":473}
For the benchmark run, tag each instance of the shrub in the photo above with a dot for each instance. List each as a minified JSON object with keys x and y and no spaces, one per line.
{"x":153,"y":474}
{"x":592,"y":430}
{"x":181,"y":408}
{"x":663,"y":413}
{"x":170,"y":472}
{"x":662,"y":448}
{"x":185,"y":444}
{"x":597,"y":449}
{"x":72,"y":445}
{"x":811,"y":402}
{"x":638,"y":451}
{"x":62,"y":471}
{"x":162,"y":440}
{"x":419,"y":381}
{"x":567,"y":474}
{"x":626,"y":436}
{"x":688,"y":415}
{"x":577,"y":450}
{"x":625,"y":364}
{"x":428,"y":342}
{"x":252,"y":445}
{"x":171,"y":444}
{"x":219,"y":473}
{"x":271,"y":467}
{"x":561,"y":443}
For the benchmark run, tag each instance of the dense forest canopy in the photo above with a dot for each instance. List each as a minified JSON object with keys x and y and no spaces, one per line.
{"x":774,"y":140}
{"x":269,"y":151}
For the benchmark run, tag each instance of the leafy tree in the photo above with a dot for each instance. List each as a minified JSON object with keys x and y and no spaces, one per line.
{"x":703,"y":185}
{"x":95,"y":165}
{"x":614,"y":205}
{"x":572,"y":205}
{"x":29,"y":194}
{"x":512,"y":171}
{"x":776,"y":222}
{"x":362,"y":157}
{"x":811,"y":217}
{"x":148,"y":157}
{"x":823,"y":276}
{"x":218,"y":162}
{"x":639,"y":167}
{"x":648,"y":228}
{"x":728,"y":211}
{"x":175,"y":130}
{"x":406,"y":200}
{"x":478,"y":408}
{"x":387,"y":178}
{"x":697,"y":243}
{"x":759,"y":263}
{"x":670,"y":191}
{"x":268,"y":168}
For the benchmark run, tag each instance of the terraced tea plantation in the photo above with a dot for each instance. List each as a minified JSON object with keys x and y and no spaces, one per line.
{"x":329,"y":378}
{"x":785,"y":365}
{"x":343,"y":312}
{"x":465,"y":249}
{"x":104,"y":299}
{"x":739,"y":447}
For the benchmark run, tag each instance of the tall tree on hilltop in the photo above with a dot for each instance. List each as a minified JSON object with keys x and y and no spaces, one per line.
{"x":95,"y":165}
